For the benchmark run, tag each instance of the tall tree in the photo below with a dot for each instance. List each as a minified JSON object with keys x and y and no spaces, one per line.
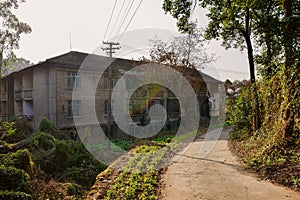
{"x":186,"y":51}
{"x":12,"y":64}
{"x":273,"y":25}
{"x":11,"y":28}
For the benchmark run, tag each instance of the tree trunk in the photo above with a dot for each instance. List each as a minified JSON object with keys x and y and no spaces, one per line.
{"x":289,"y":35}
{"x":1,"y":63}
{"x":255,"y":108}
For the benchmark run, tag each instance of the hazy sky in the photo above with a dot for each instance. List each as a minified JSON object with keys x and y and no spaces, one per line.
{"x":53,"y":21}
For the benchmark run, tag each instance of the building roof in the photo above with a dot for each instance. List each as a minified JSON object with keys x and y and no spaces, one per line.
{"x":75,"y":59}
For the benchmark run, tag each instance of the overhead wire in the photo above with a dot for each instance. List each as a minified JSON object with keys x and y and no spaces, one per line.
{"x":114,"y":26}
{"x":112,"y":13}
{"x":128,"y":8}
{"x":130,"y":20}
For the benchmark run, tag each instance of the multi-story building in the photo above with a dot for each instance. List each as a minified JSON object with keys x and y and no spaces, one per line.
{"x":45,"y":90}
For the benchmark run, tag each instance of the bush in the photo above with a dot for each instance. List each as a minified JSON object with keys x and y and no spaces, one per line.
{"x":24,"y":126}
{"x":22,"y":159}
{"x":13,"y":179}
{"x":4,"y":147}
{"x":11,"y":195}
{"x":10,"y":133}
{"x":47,"y":127}
{"x":84,"y":176}
{"x":43,"y":141}
{"x":58,"y":159}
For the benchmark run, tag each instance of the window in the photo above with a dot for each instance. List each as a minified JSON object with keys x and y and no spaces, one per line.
{"x":212,"y":104}
{"x":113,"y":83}
{"x":105,"y":84}
{"x":74,"y":108}
{"x":74,"y":80}
{"x":156,"y":109}
{"x":106,"y":107}
{"x":112,"y":106}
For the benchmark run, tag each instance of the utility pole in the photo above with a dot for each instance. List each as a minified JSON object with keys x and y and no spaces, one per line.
{"x":110,"y":50}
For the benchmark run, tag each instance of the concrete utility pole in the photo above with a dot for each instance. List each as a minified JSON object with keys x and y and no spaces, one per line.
{"x":110,"y":50}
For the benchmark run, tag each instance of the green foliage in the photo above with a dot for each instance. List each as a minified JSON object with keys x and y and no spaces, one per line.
{"x":4,"y":147}
{"x":10,"y":133}
{"x":272,"y":151}
{"x":21,"y":159}
{"x":73,"y":189}
{"x":11,"y":28}
{"x":47,"y":127}
{"x":139,"y":178}
{"x":65,"y":160}
{"x":13,"y":179}
{"x":43,"y":141}
{"x":124,"y":144}
{"x":24,"y":126}
{"x":242,"y":114}
{"x":11,"y":195}
{"x":83,"y":175}
{"x":15,"y":130}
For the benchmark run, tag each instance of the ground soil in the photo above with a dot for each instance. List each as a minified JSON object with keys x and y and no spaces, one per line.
{"x":216,"y":174}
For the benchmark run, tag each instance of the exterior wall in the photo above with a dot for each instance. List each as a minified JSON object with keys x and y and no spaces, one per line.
{"x":42,"y":91}
{"x":4,"y":99}
{"x":40,"y":95}
{"x":63,"y":94}
{"x":10,"y":96}
{"x":52,"y":85}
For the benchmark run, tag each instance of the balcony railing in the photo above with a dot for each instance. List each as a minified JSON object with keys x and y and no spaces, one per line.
{"x":4,"y":96}
{"x":24,"y":94}
{"x":18,"y":95}
{"x":27,"y":94}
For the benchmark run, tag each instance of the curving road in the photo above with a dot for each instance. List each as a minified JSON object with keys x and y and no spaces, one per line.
{"x":216,"y":174}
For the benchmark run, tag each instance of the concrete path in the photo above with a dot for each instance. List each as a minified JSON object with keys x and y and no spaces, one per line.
{"x":217,"y":175}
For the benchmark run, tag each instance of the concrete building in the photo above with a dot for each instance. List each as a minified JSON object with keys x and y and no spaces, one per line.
{"x":45,"y":90}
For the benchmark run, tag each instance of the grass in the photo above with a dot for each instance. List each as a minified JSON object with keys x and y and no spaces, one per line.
{"x":140,"y":175}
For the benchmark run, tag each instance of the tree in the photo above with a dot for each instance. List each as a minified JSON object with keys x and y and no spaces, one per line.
{"x":11,"y":28}
{"x":232,"y":21}
{"x":186,"y":51}
{"x":12,"y":64}
{"x":273,"y":25}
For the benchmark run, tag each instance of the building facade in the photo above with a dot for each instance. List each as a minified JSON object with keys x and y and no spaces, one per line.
{"x":45,"y":90}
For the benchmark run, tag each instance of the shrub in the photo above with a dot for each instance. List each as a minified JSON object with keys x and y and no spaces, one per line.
{"x":11,"y":195}
{"x":58,"y":159}
{"x":84,"y":176}
{"x":47,"y":127}
{"x":10,"y":133}
{"x":43,"y":141}
{"x":13,"y":179}
{"x":24,"y":126}
{"x":22,"y":159}
{"x":4,"y":147}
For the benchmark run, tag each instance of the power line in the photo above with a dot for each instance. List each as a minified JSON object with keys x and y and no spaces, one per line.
{"x":113,"y":10}
{"x":128,"y":8}
{"x":222,"y":69}
{"x":114,"y":26}
{"x":130,"y":20}
{"x":134,"y":49}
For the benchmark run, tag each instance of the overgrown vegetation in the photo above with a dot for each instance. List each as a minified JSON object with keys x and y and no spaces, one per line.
{"x":271,"y":152}
{"x":136,"y":175}
{"x":43,"y":165}
{"x":266,"y":111}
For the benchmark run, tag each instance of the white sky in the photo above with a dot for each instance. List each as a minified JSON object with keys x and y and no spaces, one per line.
{"x":52,"y":21}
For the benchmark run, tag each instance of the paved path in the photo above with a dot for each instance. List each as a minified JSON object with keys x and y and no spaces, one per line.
{"x":216,"y":176}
